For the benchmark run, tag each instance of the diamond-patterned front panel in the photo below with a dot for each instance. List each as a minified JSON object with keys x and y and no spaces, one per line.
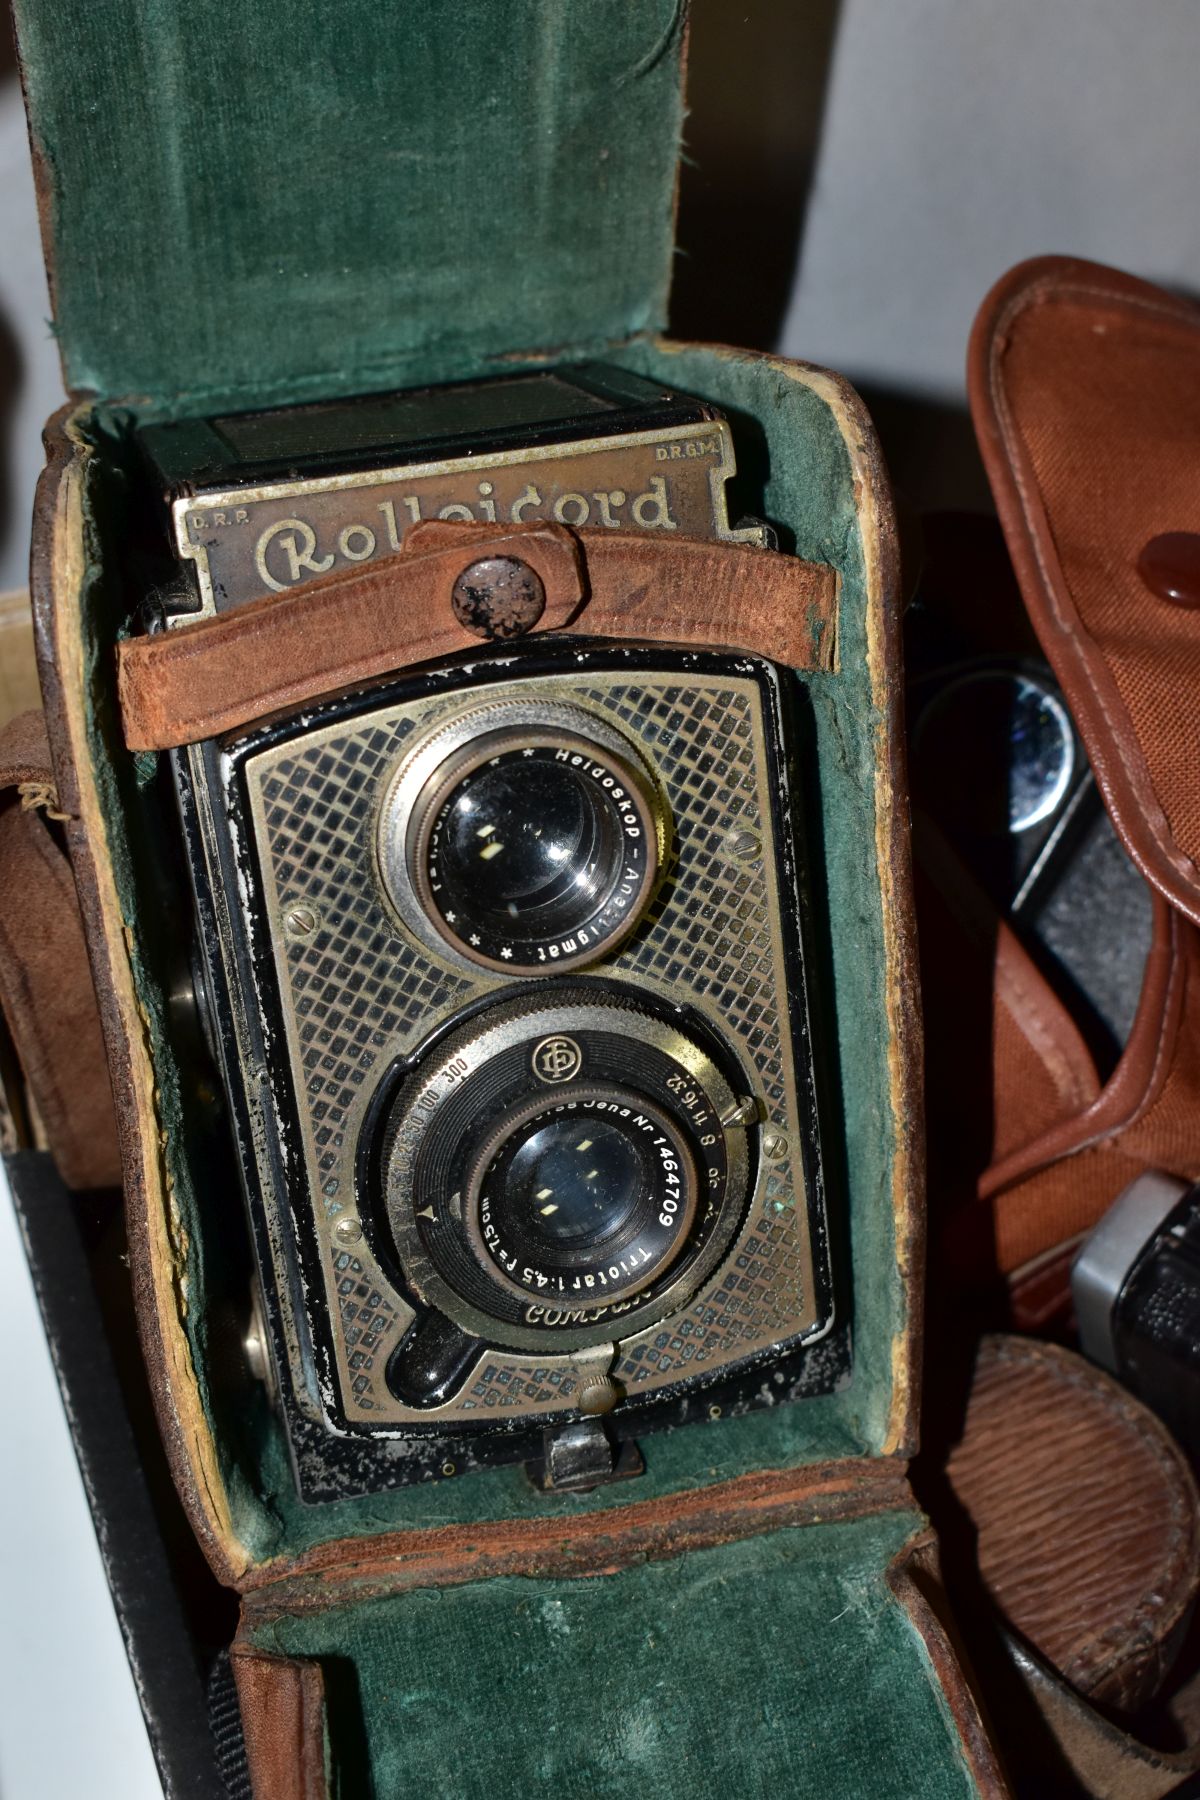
{"x":500,"y":1383}
{"x":357,"y":992}
{"x":371,"y":1326}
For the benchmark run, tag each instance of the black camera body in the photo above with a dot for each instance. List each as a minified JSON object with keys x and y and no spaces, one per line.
{"x":504,"y":959}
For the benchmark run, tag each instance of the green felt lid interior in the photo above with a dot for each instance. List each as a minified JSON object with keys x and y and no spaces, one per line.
{"x":782,"y":1667}
{"x":246,"y":204}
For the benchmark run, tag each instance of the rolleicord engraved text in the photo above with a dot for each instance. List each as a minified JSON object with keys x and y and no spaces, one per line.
{"x":270,"y":539}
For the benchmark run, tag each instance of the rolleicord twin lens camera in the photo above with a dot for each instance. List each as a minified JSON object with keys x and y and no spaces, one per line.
{"x":504,"y":959}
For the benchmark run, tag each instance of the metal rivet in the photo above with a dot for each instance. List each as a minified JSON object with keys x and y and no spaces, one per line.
{"x":256,"y":1349}
{"x":714,"y":1412}
{"x":743,"y":843}
{"x":498,"y":597}
{"x":301,"y":921}
{"x":347,"y":1231}
{"x":448,"y":1469}
{"x":774,"y":1146}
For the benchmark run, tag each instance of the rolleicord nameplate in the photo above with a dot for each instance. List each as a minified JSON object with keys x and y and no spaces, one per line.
{"x":264,"y":502}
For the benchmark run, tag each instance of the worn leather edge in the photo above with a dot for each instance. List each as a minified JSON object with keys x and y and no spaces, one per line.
{"x":58,"y":563}
{"x":883,"y":603}
{"x":581,"y":1543}
{"x":1108,"y":1763}
{"x":915,"y":1580}
{"x":1103,"y":720}
{"x":282,"y":1703}
{"x":881,"y":556}
{"x":284,"y":650}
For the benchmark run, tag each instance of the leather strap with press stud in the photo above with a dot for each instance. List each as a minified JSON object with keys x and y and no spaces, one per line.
{"x":1085,"y":395}
{"x":452,"y":585}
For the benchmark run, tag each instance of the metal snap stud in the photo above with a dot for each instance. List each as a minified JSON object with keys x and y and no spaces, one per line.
{"x":498,"y":597}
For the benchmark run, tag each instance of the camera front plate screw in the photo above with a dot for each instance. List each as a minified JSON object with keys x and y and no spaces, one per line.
{"x":498,"y":597}
{"x":774,"y":1146}
{"x":301,"y":921}
{"x":743,"y":843}
{"x":347,"y":1231}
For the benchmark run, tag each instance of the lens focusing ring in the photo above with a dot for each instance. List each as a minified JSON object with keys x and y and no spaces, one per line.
{"x":525,"y":838}
{"x":478,"y":1103}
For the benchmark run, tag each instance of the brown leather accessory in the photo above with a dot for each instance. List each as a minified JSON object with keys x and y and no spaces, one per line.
{"x":45,"y":983}
{"x":1085,"y":392}
{"x":282,"y":1703}
{"x":285,"y":649}
{"x":1085,"y":1518}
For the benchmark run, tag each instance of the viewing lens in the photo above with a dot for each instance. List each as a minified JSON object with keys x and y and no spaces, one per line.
{"x":530,"y":846}
{"x":528,"y":843}
{"x":575,"y":1181}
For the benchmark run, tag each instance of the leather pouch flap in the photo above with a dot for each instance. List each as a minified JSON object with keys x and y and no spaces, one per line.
{"x":1085,"y":390}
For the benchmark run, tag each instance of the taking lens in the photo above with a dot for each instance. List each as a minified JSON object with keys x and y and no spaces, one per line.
{"x":575,"y":1181}
{"x":592,"y":1190}
{"x":560,"y":1160}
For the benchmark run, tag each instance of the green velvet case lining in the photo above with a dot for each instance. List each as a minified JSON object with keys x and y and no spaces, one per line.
{"x":803,"y":463}
{"x":251,"y":204}
{"x":780,"y":1667}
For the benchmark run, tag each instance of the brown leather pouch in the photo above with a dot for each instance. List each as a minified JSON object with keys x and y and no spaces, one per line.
{"x":1085,"y":392}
